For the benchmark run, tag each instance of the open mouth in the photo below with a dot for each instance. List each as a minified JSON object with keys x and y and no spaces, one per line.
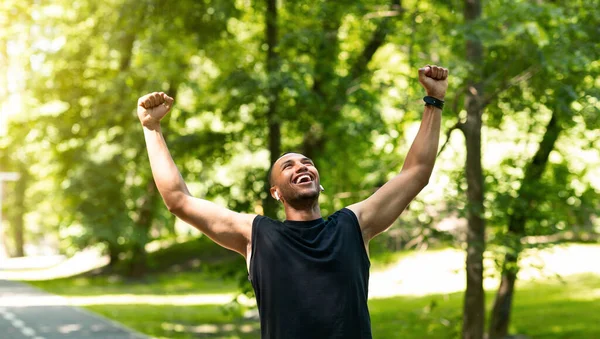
{"x":303,"y":179}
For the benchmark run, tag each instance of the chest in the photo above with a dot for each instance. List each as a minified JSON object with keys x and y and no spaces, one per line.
{"x":325,"y":251}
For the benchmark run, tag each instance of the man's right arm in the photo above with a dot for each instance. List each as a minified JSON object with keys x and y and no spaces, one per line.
{"x":227,"y":228}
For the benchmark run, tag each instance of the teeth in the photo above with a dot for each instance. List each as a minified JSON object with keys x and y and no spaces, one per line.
{"x":302,"y":177}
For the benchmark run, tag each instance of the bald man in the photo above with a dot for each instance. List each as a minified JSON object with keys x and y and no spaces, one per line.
{"x":310,"y":274}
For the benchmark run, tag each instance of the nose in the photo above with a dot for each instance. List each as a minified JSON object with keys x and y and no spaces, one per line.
{"x":301,"y":167}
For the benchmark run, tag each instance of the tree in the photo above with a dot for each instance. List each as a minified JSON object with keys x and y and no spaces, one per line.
{"x":473,"y":313}
{"x":103,"y":61}
{"x":558,"y":86}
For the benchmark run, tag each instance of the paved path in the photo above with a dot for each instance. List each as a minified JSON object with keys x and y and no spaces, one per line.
{"x":30,"y":321}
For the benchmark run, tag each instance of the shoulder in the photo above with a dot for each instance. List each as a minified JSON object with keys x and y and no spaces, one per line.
{"x":344,"y":215}
{"x":262,"y":221}
{"x":347,"y":221}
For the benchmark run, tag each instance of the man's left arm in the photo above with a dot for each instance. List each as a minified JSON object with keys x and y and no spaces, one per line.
{"x":380,"y":210}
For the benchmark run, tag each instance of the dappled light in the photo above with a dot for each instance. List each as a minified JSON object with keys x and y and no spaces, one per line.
{"x":123,"y":299}
{"x":53,"y":267}
{"x":210,"y":329}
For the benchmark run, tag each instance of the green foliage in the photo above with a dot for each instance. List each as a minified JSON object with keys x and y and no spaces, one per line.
{"x":348,"y":107}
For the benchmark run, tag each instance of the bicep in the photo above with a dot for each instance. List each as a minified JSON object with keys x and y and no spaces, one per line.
{"x":229,"y":229}
{"x":382,"y":208}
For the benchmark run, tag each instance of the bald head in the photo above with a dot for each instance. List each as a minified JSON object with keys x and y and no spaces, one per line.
{"x":271,"y":181}
{"x":287,"y":159}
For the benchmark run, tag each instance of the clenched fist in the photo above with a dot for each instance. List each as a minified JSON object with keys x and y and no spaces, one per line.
{"x":435,"y":80}
{"x":152,"y":108}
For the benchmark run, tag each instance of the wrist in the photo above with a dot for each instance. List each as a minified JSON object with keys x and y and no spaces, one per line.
{"x":437,"y":95}
{"x":433,"y":102}
{"x":151,"y":126}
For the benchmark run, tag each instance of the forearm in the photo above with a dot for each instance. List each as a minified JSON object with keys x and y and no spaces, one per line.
{"x":423,"y":150}
{"x":168,"y":180}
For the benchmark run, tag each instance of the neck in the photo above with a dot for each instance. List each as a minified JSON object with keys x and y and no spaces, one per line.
{"x":306,"y":213}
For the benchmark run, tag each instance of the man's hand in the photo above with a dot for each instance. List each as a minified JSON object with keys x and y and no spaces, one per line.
{"x":435,"y":80}
{"x":152,"y":108}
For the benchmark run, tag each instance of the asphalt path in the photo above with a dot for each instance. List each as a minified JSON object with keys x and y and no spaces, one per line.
{"x":21,"y":318}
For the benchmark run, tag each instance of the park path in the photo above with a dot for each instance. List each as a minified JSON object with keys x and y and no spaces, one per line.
{"x":21,"y":318}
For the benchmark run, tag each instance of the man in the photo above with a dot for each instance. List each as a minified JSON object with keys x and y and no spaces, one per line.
{"x":310,"y":275}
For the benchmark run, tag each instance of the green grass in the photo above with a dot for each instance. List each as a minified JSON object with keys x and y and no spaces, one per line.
{"x":191,"y":254}
{"x":541,"y":310}
{"x":168,"y":321}
{"x":197,"y":266}
{"x":382,"y":260}
{"x":160,"y":284}
{"x":552,"y":310}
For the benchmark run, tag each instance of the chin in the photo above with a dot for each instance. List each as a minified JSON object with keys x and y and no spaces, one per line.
{"x":309,"y":195}
{"x":304,"y":199}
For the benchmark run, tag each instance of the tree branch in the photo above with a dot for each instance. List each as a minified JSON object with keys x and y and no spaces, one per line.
{"x":458,"y":125}
{"x":350,"y":82}
{"x":382,"y":14}
{"x":376,"y":41}
{"x":517,"y":79}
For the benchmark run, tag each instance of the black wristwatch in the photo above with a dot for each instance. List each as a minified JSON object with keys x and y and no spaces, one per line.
{"x":435,"y":102}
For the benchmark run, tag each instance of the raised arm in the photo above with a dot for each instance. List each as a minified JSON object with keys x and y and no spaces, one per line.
{"x":378,"y":212}
{"x":227,"y":228}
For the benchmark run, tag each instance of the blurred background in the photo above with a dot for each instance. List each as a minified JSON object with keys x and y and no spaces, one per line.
{"x":503,"y":240}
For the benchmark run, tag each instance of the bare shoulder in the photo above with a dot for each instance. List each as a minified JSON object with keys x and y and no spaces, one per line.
{"x":245,"y":221}
{"x":232,"y":230}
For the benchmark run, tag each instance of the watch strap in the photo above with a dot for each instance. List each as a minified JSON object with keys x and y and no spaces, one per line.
{"x":435,"y":102}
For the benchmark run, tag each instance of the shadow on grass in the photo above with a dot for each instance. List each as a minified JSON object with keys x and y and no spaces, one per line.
{"x":182,"y":322}
{"x":549,"y":309}
{"x":558,"y":319}
{"x":194,"y":267}
{"x":158,"y":284}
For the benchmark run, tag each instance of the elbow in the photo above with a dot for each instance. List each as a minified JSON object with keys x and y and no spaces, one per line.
{"x":174,"y":203}
{"x":422,"y":174}
{"x":420,"y":171}
{"x":424,"y":180}
{"x":173,"y":208}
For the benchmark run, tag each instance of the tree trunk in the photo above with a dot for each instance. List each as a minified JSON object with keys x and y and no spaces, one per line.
{"x":114,"y":250}
{"x":474,"y":312}
{"x":18,"y":217}
{"x":500,"y":317}
{"x":474,"y":303}
{"x":139,"y":264}
{"x":273,"y":121}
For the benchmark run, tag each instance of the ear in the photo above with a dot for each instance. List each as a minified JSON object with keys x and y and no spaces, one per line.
{"x":274,"y":193}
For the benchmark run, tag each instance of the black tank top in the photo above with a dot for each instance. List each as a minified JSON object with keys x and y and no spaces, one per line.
{"x":311,"y":278}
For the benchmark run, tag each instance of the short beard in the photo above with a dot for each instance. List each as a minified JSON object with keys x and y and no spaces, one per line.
{"x":304,"y":201}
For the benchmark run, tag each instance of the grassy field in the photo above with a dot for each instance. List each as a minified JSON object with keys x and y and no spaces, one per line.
{"x":567,"y":309}
{"x":168,"y":283}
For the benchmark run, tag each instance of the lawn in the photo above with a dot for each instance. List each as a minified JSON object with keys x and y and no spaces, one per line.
{"x":567,"y":309}
{"x":167,"y":283}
